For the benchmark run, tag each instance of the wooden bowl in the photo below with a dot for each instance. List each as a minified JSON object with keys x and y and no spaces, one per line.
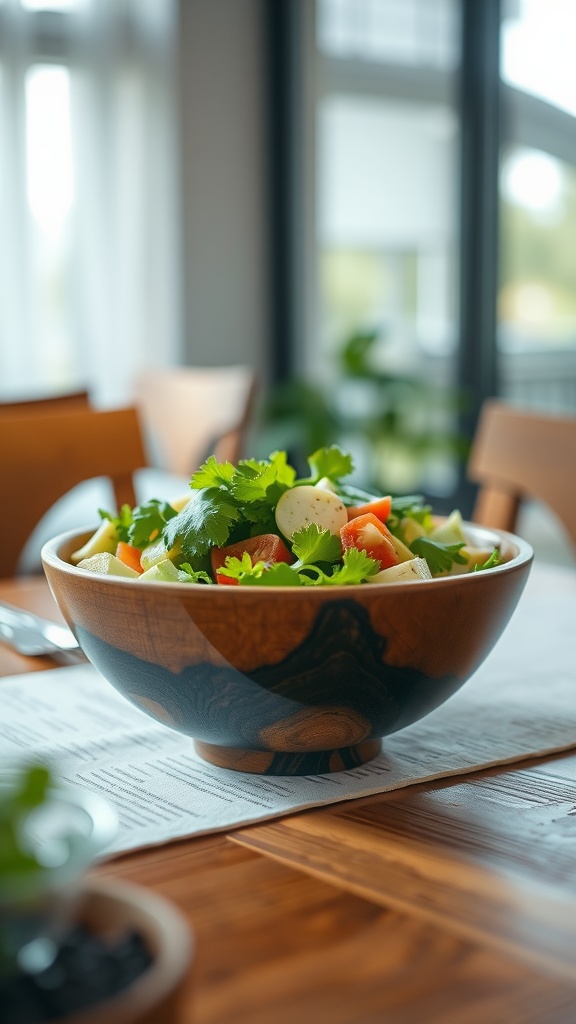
{"x":288,"y":680}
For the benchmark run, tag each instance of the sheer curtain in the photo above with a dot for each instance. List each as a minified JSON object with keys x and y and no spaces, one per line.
{"x":89,"y":208}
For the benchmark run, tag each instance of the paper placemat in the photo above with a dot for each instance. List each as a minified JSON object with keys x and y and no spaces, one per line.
{"x":521,"y":702}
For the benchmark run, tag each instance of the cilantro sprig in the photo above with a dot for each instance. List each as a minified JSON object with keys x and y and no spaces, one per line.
{"x":231,"y":501}
{"x":494,"y":560}
{"x":408,"y":506}
{"x":356,"y":567}
{"x":440,"y":557}
{"x":142,"y":524}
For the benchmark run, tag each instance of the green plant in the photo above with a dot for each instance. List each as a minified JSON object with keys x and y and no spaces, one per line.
{"x":395,"y":423}
{"x":45,"y":847}
{"x":19,"y":860}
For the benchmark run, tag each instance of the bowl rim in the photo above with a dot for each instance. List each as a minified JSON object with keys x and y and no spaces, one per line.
{"x":524,"y":556}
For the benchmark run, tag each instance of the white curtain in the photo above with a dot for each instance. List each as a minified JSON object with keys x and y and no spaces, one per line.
{"x":89,"y":207}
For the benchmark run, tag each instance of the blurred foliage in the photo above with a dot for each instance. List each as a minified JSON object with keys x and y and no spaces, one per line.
{"x":399,"y":422}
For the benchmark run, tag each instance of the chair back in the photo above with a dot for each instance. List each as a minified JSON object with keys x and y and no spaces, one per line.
{"x":46,"y":454}
{"x":519,"y":454}
{"x":189,"y":413}
{"x":65,"y":400}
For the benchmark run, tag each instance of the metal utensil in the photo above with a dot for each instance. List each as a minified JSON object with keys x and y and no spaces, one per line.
{"x":31,"y":635}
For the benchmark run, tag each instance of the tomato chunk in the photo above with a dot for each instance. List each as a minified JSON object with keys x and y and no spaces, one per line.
{"x":380,"y":507}
{"x":368,"y":534}
{"x":268,"y":547}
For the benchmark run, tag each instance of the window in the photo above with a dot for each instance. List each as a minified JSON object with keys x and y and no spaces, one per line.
{"x":89,"y":241}
{"x":387,"y":186}
{"x":537,"y":302}
{"x":387,"y":204}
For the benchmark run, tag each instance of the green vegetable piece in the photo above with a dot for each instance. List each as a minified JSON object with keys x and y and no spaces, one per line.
{"x":212,"y":474}
{"x":162,"y":572}
{"x":311,"y":544}
{"x":263,"y":481}
{"x":331,"y":462}
{"x":121,"y":523}
{"x":148,"y":521}
{"x":203,"y":523}
{"x":494,"y":560}
{"x":450,"y":531}
{"x":357,"y":567}
{"x":104,"y":539}
{"x":440,"y":557}
{"x":259,"y":574}
{"x":30,"y":790}
{"x":187,"y":574}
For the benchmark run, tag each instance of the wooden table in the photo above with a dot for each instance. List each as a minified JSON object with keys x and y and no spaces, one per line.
{"x":452,"y":902}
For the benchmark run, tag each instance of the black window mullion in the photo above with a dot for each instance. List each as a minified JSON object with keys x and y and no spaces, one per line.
{"x":480,"y":131}
{"x":284,"y":83}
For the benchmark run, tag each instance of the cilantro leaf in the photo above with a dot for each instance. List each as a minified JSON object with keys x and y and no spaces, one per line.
{"x":262,"y":482}
{"x":121,"y":522}
{"x":311,"y":544}
{"x":490,"y":563}
{"x":212,"y":474}
{"x":260,"y":574}
{"x":351,"y":495}
{"x":143,"y":523}
{"x":409,"y":506}
{"x":331,"y":462}
{"x":148,"y":521}
{"x":356,"y":567}
{"x":440,"y":557}
{"x":203,"y":523}
{"x":235,"y":567}
{"x":186,"y":574}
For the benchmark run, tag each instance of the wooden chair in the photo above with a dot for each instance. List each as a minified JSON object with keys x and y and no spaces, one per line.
{"x":189,"y":413}
{"x":45,"y":454}
{"x":66,"y":400}
{"x":519,"y":454}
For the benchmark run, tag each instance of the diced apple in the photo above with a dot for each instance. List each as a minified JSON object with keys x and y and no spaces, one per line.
{"x":181,"y":502}
{"x":157,"y":552}
{"x":411,"y":529}
{"x":104,"y":539}
{"x":451,"y":531}
{"x":415,"y":569}
{"x":475,"y":556}
{"x":404,"y":553}
{"x":162,"y":572}
{"x":107,"y":565}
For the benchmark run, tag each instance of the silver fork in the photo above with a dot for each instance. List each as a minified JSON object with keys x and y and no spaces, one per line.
{"x":31,"y":635}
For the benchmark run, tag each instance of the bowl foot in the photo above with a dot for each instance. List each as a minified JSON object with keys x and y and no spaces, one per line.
{"x":267,"y":762}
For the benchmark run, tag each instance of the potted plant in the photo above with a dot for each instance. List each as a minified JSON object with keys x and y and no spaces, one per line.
{"x":71,"y":947}
{"x":394,"y":424}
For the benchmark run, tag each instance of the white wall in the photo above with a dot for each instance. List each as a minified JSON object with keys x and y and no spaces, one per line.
{"x":223,"y":120}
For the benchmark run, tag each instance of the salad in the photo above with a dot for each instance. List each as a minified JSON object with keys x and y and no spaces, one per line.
{"x":259,"y":524}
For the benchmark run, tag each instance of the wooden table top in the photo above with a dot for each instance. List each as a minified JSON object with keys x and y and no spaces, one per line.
{"x":452,"y":902}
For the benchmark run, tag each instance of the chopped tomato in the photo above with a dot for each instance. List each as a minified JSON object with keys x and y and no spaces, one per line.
{"x":380,"y":507}
{"x":268,"y":547}
{"x":130,"y":555}
{"x":368,"y":534}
